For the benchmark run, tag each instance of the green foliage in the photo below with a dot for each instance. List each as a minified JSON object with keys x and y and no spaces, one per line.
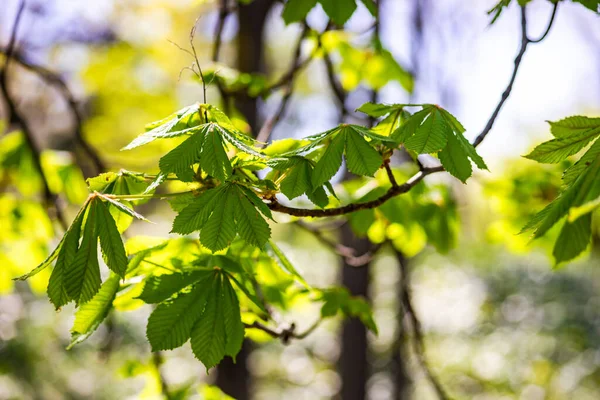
{"x":336,"y":300}
{"x":430,"y":130}
{"x":581,"y":189}
{"x":208,"y":313}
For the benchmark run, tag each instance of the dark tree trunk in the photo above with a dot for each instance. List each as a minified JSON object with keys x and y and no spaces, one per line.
{"x":398,"y":371}
{"x":234,"y":378}
{"x":354,"y":363}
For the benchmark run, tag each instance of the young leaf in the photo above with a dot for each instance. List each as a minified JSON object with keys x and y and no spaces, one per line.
{"x":219,"y":229}
{"x":91,"y":314}
{"x":209,"y":335}
{"x":573,"y":125}
{"x":110,"y":241}
{"x":194,"y":216}
{"x":214,"y":160}
{"x":180,"y":160}
{"x":279,"y":256}
{"x":82,"y":276}
{"x":171,"y":322}
{"x":250,"y":225}
{"x":159,"y":288}
{"x":431,"y":136}
{"x":297,"y":181}
{"x":379,"y":110}
{"x":57,"y":286}
{"x":46,"y":263}
{"x":234,"y":328}
{"x":330,"y":161}
{"x":573,"y":172}
{"x":361,"y":158}
{"x":557,"y":150}
{"x":296,"y":10}
{"x":165,"y":128}
{"x":410,"y":126}
{"x":573,"y":239}
{"x":454,"y":160}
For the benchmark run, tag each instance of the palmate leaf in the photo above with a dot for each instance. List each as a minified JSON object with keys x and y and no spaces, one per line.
{"x":297,"y":180}
{"x":431,"y":136}
{"x":222,"y":212}
{"x":572,"y":125}
{"x":44,"y":264}
{"x":171,"y":322}
{"x":330,"y":162}
{"x":361,"y":158}
{"x":91,"y":314}
{"x":573,"y":239}
{"x":573,"y":172}
{"x":208,"y":313}
{"x":339,"y":11}
{"x":454,"y":159}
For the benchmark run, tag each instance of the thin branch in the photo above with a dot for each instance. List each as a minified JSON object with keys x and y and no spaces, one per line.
{"x":415,"y":179}
{"x":267,"y":128}
{"x":524,"y":43}
{"x":53,"y":79}
{"x":223,"y":13}
{"x":418,"y":342}
{"x":197,"y":62}
{"x":390,"y":173}
{"x":550,"y":23}
{"x":285,"y":333}
{"x":14,"y":116}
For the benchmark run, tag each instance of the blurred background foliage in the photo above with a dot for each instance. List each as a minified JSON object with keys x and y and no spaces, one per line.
{"x":500,"y":323}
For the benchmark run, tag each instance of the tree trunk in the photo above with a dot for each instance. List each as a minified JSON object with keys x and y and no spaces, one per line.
{"x":234,"y":378}
{"x":353,"y":363}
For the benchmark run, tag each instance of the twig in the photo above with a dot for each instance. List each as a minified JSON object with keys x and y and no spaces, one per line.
{"x":418,"y":342}
{"x":157,"y":361}
{"x":550,"y":23}
{"x":15,"y":117}
{"x":285,"y":333}
{"x":390,"y":173}
{"x":267,"y":128}
{"x":197,"y":62}
{"x":223,"y":13}
{"x":524,"y":43}
{"x":416,"y":178}
{"x":53,"y":79}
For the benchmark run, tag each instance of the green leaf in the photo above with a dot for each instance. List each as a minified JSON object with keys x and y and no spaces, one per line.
{"x":194,"y":216}
{"x":379,"y":110}
{"x":172,"y":321}
{"x":573,"y":172}
{"x":296,"y":10}
{"x":573,"y":125}
{"x":234,"y":328}
{"x":586,"y":208}
{"x":82,"y":276}
{"x":454,"y":160}
{"x":361,"y":158}
{"x":318,"y":197}
{"x":57,"y":291}
{"x":159,"y":288}
{"x":330,"y":161}
{"x":219,"y":229}
{"x":249,"y":223}
{"x":180,"y":160}
{"x":258,"y":203}
{"x":573,"y":239}
{"x":91,"y":314}
{"x":209,"y":334}
{"x":110,"y":241}
{"x":297,"y":181}
{"x":431,"y":136}
{"x":339,"y":11}
{"x":470,"y":151}
{"x":167,"y":127}
{"x":123,"y":208}
{"x":214,"y":160}
{"x":410,"y":126}
{"x":560,"y":149}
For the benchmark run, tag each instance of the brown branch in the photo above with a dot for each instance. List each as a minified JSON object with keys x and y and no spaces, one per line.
{"x":285,"y":333}
{"x":267,"y":128}
{"x":416,"y":178}
{"x":14,"y":116}
{"x":419,"y":341}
